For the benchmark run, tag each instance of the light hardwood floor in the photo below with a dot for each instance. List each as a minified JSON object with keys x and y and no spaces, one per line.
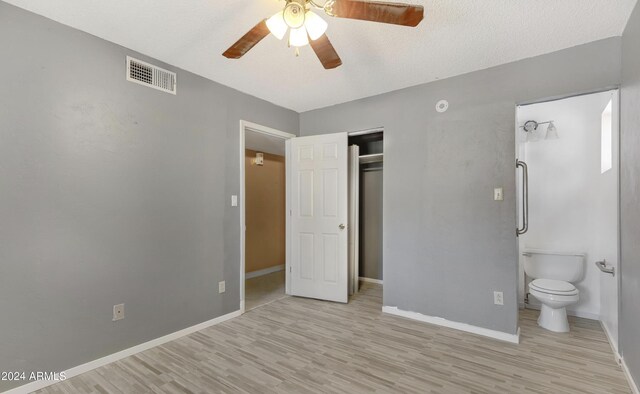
{"x":296,"y":345}
{"x":263,"y":289}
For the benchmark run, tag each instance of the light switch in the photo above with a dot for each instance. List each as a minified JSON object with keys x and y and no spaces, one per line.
{"x":497,"y":194}
{"x":234,"y":201}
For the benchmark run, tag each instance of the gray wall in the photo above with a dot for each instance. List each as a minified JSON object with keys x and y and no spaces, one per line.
{"x":110,"y":192}
{"x":447,"y":244}
{"x":630,"y":196}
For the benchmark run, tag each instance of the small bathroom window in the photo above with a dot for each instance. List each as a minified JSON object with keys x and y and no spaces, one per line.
{"x":606,"y":143}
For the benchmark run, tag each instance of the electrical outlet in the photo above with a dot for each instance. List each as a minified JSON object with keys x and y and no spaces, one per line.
{"x":118,"y":312}
{"x":498,"y":195}
{"x":221,"y":286}
{"x":498,"y":298}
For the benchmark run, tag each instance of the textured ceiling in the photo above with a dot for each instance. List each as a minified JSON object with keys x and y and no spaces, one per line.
{"x":264,"y":143}
{"x":456,"y":37}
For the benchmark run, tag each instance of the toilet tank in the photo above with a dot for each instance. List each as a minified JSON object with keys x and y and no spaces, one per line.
{"x":554,"y":265}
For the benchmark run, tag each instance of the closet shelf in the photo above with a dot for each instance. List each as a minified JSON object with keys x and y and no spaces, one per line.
{"x":374,"y":158}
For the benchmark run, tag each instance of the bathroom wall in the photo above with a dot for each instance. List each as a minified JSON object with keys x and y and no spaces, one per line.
{"x":572,"y":206}
{"x":608,"y":236}
{"x":630,"y":197}
{"x":265,"y":204}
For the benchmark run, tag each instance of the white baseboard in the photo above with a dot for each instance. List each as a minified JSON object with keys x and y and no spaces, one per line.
{"x":502,"y":336}
{"x":370,"y":280}
{"x":91,"y":365}
{"x":582,"y":314}
{"x":620,"y":360}
{"x":632,"y":383}
{"x":614,"y":346}
{"x":266,"y":271}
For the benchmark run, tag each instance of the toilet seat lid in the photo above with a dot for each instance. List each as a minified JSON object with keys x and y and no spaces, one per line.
{"x":554,"y":286}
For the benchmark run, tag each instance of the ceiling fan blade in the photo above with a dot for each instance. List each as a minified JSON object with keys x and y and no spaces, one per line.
{"x":394,"y":13}
{"x":326,"y":52}
{"x":248,"y":41}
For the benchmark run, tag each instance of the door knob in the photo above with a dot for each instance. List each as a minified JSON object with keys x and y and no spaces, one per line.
{"x":341,"y":226}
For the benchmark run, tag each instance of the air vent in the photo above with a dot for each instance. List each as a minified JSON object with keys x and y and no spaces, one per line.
{"x":149,"y":75}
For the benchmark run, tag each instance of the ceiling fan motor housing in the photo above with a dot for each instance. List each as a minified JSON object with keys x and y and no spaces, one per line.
{"x":294,"y":13}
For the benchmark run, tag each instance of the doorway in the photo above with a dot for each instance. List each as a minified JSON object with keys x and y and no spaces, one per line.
{"x":263,"y":214}
{"x":332,"y":214}
{"x":567,"y":152}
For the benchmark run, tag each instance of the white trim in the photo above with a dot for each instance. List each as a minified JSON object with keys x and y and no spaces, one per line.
{"x":287,"y":212}
{"x":499,"y":335}
{"x":91,"y":365}
{"x":620,"y":360}
{"x":354,"y":219}
{"x":370,"y":280}
{"x":614,"y":346}
{"x":266,"y":130}
{"x":253,"y":127}
{"x":262,"y":272}
{"x":632,"y":383}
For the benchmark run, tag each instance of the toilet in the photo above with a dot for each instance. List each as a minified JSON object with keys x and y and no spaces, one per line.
{"x":553,"y":274}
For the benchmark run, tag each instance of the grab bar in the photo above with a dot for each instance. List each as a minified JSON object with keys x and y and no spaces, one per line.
{"x":602,"y":266}
{"x":525,"y":197}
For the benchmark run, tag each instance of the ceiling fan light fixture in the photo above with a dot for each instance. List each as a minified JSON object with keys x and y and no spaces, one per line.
{"x":315,"y":25}
{"x":277,"y":26}
{"x":312,"y":31}
{"x":298,"y":37}
{"x":294,"y":14}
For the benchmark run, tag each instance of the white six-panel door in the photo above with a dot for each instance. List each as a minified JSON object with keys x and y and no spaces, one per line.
{"x":319,"y":236}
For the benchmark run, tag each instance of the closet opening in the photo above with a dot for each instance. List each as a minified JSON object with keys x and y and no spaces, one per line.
{"x":366,"y":159}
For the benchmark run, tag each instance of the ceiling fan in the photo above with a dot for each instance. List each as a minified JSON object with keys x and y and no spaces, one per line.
{"x":307,"y":27}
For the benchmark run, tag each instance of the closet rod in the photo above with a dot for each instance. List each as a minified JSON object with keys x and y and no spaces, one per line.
{"x":372,"y":169}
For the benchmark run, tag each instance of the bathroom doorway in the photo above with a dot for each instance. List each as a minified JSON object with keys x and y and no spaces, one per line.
{"x":567,"y":183}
